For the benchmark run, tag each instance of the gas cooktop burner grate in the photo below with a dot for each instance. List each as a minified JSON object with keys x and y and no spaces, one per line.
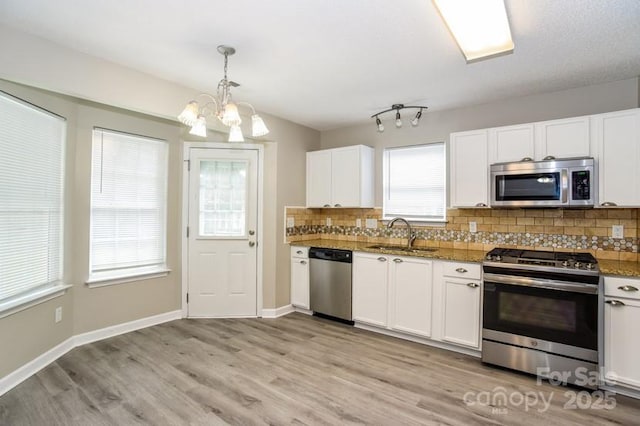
{"x":550,"y":259}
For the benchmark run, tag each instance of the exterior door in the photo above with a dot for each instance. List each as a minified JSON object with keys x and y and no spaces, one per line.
{"x":222,"y":254}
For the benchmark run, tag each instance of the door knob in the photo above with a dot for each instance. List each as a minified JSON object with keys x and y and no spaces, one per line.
{"x":252,"y":243}
{"x":252,"y":232}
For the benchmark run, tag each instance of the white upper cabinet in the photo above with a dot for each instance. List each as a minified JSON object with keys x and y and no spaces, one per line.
{"x":469,"y":169}
{"x":511,"y":143}
{"x":341,"y":177}
{"x":564,"y":138}
{"x":617,"y":145}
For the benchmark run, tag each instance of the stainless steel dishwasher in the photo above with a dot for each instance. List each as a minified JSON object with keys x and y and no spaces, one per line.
{"x":330,"y":282}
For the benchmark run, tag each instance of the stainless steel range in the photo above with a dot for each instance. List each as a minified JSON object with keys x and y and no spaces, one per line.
{"x":541,"y":313}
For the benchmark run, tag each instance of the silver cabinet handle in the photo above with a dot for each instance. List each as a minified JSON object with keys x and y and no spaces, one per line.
{"x":382,"y":259}
{"x":627,"y":288}
{"x":327,"y":205}
{"x":549,"y":157}
{"x":614,"y":302}
{"x":473,"y":285}
{"x":608,"y":204}
{"x":303,"y":262}
{"x":299,"y":252}
{"x":337,"y":205}
{"x":481,"y":205}
{"x":461,"y":270}
{"x":252,"y":243}
{"x":397,"y":260}
{"x":527,"y":159}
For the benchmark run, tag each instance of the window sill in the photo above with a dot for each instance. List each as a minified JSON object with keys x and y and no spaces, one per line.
{"x":31,"y":298}
{"x":103,"y":281}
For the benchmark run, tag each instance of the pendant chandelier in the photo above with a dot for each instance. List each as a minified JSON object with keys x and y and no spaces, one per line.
{"x":397,"y":107}
{"x":222,"y":107}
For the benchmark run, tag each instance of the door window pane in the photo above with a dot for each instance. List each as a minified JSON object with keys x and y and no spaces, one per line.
{"x":223,"y":198}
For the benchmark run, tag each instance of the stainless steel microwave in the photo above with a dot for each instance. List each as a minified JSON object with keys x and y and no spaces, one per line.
{"x":568,"y":182}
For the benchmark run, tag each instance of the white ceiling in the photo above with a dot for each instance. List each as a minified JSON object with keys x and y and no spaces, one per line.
{"x":332,"y":63}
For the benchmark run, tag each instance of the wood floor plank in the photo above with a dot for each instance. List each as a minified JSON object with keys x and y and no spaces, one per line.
{"x":297,"y":370}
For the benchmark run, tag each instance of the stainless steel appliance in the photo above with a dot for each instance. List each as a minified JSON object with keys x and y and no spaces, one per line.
{"x":541,"y":313}
{"x":569,"y":182}
{"x":330,"y":282}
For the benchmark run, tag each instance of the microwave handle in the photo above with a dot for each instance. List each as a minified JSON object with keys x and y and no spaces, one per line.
{"x":565,"y":185}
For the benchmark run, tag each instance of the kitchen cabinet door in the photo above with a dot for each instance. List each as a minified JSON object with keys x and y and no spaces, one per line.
{"x":563,"y":138}
{"x":341,"y":177}
{"x":511,"y":143}
{"x":461,"y":311}
{"x":469,"y":169}
{"x":319,"y":179}
{"x":621,"y":343}
{"x":617,"y":139}
{"x":411,"y":283}
{"x":370,"y":289}
{"x":300,"y":278}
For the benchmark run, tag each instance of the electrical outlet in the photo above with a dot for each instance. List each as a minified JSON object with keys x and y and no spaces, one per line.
{"x":473,"y":227}
{"x":290,"y":222}
{"x":328,"y":221}
{"x":358,"y":223}
{"x":371,"y":223}
{"x":617,"y":231}
{"x":59,"y":314}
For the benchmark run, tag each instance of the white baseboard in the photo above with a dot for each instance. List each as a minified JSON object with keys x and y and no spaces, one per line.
{"x":303,"y":310}
{"x":277,"y":312}
{"x":115,"y":330}
{"x":16,"y":377}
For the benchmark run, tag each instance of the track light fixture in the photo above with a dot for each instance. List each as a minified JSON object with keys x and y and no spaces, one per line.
{"x":222,"y":107}
{"x":398,"y":122}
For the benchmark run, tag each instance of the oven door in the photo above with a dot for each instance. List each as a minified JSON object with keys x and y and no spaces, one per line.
{"x":564,"y":313}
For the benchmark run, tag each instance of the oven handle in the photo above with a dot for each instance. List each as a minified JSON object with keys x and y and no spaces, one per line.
{"x":541,"y":283}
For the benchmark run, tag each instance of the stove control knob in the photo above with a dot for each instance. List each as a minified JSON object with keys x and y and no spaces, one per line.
{"x":565,"y":263}
{"x":489,"y":257}
{"x":498,"y":258}
{"x":578,"y":265}
{"x":589,"y":265}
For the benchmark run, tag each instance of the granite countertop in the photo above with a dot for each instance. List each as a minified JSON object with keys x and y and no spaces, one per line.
{"x":607,"y":267}
{"x":459,"y":255}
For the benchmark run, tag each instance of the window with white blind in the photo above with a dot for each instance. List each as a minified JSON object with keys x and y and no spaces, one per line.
{"x":32,"y":149}
{"x":414,"y":183}
{"x":128,"y":206}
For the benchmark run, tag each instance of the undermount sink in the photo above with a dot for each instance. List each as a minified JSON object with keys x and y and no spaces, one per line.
{"x":403,"y":248}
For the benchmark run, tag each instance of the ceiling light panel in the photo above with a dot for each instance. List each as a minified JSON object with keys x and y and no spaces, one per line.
{"x":480,"y":28}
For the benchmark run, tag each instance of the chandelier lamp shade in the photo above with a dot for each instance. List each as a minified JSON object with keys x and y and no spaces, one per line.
{"x":222,"y":107}
{"x":398,"y":119}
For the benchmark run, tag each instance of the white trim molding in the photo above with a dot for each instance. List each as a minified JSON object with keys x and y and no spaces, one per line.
{"x":277,"y":312}
{"x":16,"y":377}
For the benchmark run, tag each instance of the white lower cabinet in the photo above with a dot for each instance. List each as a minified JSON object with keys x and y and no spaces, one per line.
{"x":393,"y":292}
{"x":457,"y":307}
{"x":300,"y":277}
{"x":370,"y":289}
{"x":621,"y":343}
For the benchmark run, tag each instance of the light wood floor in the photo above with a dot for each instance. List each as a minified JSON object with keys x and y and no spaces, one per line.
{"x":291,"y":370}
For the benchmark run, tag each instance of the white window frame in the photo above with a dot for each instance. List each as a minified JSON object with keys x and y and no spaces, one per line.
{"x":388,"y":212}
{"x":37,"y":292}
{"x":122,"y":274}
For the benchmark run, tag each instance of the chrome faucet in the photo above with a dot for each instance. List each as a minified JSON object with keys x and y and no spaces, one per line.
{"x":411,"y":235}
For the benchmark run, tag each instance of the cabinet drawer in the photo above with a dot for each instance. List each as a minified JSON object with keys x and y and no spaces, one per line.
{"x":302,"y":252}
{"x":462,"y":270}
{"x":622,"y":287}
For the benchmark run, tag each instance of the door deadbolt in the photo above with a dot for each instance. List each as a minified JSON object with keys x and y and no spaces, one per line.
{"x":252,"y":232}
{"x":252,"y":243}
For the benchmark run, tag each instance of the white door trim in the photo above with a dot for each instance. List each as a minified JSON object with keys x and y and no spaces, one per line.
{"x":185,"y":214}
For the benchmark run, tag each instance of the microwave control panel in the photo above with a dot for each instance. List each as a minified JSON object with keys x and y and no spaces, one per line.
{"x":580,"y":185}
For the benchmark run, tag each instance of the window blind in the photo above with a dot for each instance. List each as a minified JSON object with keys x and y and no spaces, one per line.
{"x":128,"y":205}
{"x":414,"y":183}
{"x":32,"y":144}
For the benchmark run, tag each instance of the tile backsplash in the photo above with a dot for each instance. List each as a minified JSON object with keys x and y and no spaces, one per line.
{"x":542,"y":229}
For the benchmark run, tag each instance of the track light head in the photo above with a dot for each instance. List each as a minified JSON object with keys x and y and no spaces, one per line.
{"x":379,"y":124}
{"x":398,"y":121}
{"x":416,"y":119}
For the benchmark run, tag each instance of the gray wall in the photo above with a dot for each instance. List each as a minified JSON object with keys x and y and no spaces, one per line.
{"x":437,"y":125}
